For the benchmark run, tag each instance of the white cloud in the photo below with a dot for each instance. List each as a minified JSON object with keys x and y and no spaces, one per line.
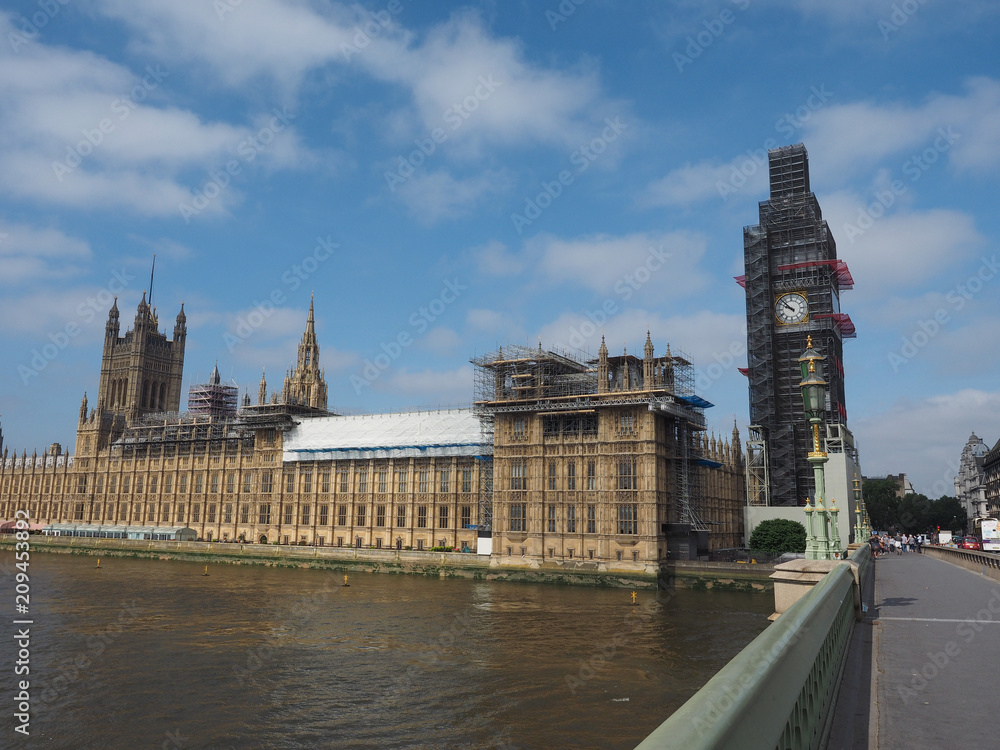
{"x":963,"y":344}
{"x":961,"y":129}
{"x":437,"y":195}
{"x":902,"y":248}
{"x":262,"y":39}
{"x":430,"y":387}
{"x":924,"y":437}
{"x":28,"y":253}
{"x":706,"y":180}
{"x":494,"y":259}
{"x":491,"y":321}
{"x":459,"y":62}
{"x":440,"y":340}
{"x":85,"y":132}
{"x":627,"y":266}
{"x":478,"y":88}
{"x":164,"y":246}
{"x":705,"y":336}
{"x":866,"y":14}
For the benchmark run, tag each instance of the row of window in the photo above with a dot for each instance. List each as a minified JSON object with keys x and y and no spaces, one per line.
{"x":626,"y":521}
{"x":423,"y":483}
{"x":570,"y":552}
{"x":625,"y":475}
{"x":571,"y":424}
{"x":263,"y":515}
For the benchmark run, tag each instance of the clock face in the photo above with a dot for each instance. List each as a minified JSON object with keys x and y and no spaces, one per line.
{"x":791,"y":308}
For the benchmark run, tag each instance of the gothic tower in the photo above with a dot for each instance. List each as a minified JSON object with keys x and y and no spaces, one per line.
{"x":793,"y":284}
{"x":141,"y":371}
{"x":305,"y":385}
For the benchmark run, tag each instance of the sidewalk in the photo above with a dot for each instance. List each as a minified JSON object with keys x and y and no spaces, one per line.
{"x":936,"y":655}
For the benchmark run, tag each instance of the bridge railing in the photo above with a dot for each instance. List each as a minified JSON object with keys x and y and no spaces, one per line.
{"x":984,"y":563}
{"x":778,"y":692}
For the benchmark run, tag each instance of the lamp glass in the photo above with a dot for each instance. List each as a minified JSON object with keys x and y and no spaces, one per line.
{"x":814,"y":399}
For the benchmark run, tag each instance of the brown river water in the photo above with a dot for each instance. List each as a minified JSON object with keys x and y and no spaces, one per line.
{"x":153,"y":654}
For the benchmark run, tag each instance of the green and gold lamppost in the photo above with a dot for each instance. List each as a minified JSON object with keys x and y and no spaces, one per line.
{"x":861,"y":530}
{"x":857,"y":510}
{"x":814,"y":400}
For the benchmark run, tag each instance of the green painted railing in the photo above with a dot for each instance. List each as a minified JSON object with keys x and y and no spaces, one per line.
{"x":777,"y":692}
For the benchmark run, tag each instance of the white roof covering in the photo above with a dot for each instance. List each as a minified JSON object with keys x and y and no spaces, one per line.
{"x":451,"y":432}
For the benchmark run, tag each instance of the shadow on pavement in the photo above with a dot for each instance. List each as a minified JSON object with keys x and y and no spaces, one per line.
{"x":899,"y":601}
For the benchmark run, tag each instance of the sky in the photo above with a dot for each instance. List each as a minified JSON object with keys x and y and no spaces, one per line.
{"x":448,"y":178}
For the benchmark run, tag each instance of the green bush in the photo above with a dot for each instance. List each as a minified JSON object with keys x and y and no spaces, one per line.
{"x":778,"y":535}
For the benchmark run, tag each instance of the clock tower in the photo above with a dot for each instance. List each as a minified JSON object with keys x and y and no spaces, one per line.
{"x":793,"y":284}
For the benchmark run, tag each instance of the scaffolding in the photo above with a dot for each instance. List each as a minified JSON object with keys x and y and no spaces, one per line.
{"x":519,"y":378}
{"x":192,"y":433}
{"x":170,"y":433}
{"x":213,"y":398}
{"x":758,"y":482}
{"x":790,"y":250}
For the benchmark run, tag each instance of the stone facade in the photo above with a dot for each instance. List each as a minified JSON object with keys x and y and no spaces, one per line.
{"x":991,"y":480}
{"x":970,"y":484}
{"x":601,"y":468}
{"x":597,"y":480}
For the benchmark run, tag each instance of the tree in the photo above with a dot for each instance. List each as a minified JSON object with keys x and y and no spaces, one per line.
{"x":882,"y":502}
{"x":948,"y":513}
{"x":913,"y":514}
{"x":778,"y":535}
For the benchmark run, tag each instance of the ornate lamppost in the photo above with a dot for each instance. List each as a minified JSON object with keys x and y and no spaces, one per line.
{"x":813,"y":387}
{"x":862,"y":528}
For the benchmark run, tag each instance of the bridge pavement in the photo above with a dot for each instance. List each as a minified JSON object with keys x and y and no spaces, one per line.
{"x":930,"y":648}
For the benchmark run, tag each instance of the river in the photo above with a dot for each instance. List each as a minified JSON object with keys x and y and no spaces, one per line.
{"x":154,"y":654}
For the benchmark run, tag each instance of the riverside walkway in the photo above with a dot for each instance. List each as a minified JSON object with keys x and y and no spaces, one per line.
{"x":930,"y":644}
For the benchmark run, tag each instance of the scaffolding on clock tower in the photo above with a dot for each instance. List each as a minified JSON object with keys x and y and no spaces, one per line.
{"x":791,"y":249}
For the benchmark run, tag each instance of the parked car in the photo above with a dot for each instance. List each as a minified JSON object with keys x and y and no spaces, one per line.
{"x":970,"y":542}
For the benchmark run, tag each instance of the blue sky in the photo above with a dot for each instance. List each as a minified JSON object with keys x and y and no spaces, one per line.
{"x":462,"y":176}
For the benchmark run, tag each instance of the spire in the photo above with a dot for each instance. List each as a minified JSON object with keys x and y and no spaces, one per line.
{"x":83,"y":407}
{"x":151,"y":269}
{"x":112,"y":327}
{"x":602,"y":367}
{"x":648,"y":364}
{"x":214,"y":378}
{"x":304,"y":383}
{"x":262,"y":393}
{"x":180,"y":327}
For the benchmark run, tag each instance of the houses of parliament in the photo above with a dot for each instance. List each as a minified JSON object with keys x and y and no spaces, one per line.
{"x":589,"y":462}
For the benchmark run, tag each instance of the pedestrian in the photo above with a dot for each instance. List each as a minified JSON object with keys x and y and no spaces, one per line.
{"x":918,"y":543}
